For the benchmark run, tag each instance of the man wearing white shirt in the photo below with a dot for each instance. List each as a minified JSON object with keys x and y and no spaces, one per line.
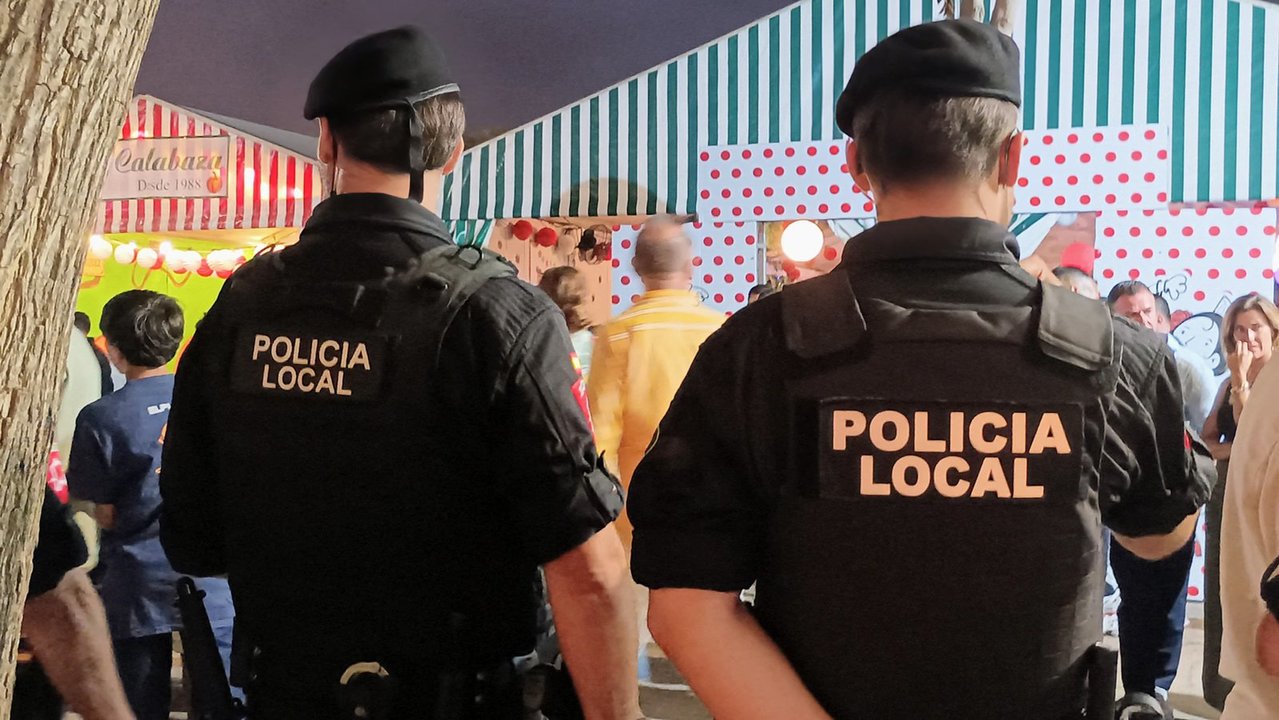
{"x":1249,"y":542}
{"x":1198,"y":384}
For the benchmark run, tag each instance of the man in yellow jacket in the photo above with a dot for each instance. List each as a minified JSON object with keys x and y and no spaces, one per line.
{"x":641,"y":357}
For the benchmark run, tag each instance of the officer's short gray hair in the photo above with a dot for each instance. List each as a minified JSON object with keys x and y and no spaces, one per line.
{"x":907,"y":139}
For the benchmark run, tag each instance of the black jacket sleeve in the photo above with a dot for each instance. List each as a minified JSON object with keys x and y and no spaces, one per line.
{"x":191,"y":526}
{"x":560,"y":492}
{"x":699,"y":499}
{"x":1155,"y":471}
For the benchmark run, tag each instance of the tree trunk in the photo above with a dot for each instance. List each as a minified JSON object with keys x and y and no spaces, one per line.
{"x":973,"y":10}
{"x":67,"y":68}
{"x":1004,"y":15}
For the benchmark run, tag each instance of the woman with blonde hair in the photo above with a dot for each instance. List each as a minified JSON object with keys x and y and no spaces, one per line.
{"x":1249,"y":334}
{"x":567,"y":288}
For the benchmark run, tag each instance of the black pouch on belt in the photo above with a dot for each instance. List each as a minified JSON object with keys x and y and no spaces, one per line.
{"x":1103,"y":679}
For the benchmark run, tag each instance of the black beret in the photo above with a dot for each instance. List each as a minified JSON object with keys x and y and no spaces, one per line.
{"x":950,"y":58}
{"x":380,"y":70}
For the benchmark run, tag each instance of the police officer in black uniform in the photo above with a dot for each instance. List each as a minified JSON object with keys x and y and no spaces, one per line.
{"x":379,"y":437}
{"x":912,"y":456}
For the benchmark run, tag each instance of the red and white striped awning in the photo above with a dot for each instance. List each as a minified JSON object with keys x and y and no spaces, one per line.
{"x":262,"y":186}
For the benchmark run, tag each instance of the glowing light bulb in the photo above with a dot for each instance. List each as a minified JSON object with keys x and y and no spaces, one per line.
{"x":802,"y":240}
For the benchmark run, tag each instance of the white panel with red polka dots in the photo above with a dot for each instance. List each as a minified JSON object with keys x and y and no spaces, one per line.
{"x":780,"y":181}
{"x":726,"y":264}
{"x":1198,"y":258}
{"x":1070,"y":170}
{"x":1080,"y":169}
{"x":1195,"y":591}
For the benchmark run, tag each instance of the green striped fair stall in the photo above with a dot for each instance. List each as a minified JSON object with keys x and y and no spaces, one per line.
{"x":1207,"y":69}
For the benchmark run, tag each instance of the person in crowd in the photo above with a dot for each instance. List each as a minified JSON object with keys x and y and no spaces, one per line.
{"x":81,"y":323}
{"x":799,"y":455}
{"x":759,"y":292}
{"x":1152,"y":612}
{"x":1250,"y":519}
{"x":115,"y":465}
{"x":641,"y":356}
{"x":1078,"y":282}
{"x":1134,"y":300}
{"x":567,"y":289}
{"x":81,"y":385}
{"x":1249,"y":332}
{"x":64,"y":622}
{"x":1197,"y":380}
{"x":385,"y":502}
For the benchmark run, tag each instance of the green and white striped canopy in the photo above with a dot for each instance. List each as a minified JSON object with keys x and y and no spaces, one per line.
{"x":1207,"y":69}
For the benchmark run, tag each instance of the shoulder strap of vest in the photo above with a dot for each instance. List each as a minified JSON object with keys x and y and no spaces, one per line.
{"x":821,"y":316}
{"x":457,"y":273}
{"x":1075,"y":330}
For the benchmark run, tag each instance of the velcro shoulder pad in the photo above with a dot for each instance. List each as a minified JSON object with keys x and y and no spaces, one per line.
{"x":454,"y":274}
{"x":1076,"y":330}
{"x":821,"y":316}
{"x":449,"y":266}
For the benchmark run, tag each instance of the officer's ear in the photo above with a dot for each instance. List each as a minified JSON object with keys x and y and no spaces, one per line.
{"x":451,"y":164}
{"x":853,"y":158}
{"x":324,"y":150}
{"x":1010,"y":160}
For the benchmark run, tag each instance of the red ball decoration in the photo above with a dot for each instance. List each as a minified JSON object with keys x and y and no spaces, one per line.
{"x":605,"y":252}
{"x":522,"y":230}
{"x":204,"y":270}
{"x":159,"y":262}
{"x":547,"y":237}
{"x":1080,"y":256}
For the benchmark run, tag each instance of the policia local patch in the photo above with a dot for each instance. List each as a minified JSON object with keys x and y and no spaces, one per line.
{"x":344,"y":367}
{"x":871,"y":449}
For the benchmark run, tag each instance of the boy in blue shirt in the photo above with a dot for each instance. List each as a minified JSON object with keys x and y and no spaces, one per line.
{"x":116,"y":464}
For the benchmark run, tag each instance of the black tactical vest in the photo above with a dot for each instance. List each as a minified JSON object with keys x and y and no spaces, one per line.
{"x":361,"y":517}
{"x":935,"y":551}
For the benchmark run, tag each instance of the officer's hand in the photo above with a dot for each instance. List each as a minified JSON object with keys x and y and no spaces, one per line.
{"x":1268,"y":645}
{"x":1036,"y":266}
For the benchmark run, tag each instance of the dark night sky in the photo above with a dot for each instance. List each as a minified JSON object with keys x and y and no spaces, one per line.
{"x":515,"y":59}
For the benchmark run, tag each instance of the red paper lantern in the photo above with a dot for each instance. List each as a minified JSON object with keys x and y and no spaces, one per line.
{"x":522,"y":230}
{"x":547,"y":237}
{"x":204,"y":270}
{"x":604,"y":252}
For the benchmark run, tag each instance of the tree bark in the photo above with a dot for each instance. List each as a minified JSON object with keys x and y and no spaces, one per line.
{"x":67,"y":68}
{"x":1004,"y":15}
{"x":973,"y":10}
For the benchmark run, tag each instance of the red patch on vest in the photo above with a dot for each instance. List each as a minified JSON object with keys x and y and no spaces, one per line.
{"x":56,"y":478}
{"x":579,"y":391}
{"x":1186,"y":433}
